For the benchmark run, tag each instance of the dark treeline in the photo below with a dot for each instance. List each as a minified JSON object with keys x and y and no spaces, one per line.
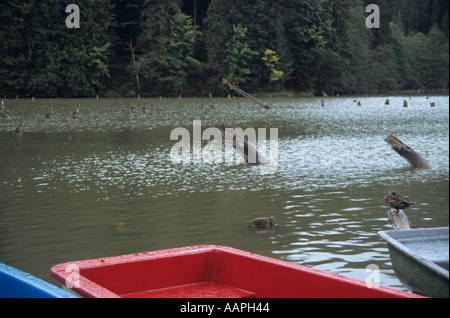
{"x":173,"y":47}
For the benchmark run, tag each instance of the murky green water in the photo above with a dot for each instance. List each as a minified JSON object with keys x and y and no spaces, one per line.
{"x":104,"y":185}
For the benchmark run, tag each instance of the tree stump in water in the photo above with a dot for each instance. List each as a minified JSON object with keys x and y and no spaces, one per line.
{"x":242,"y":146}
{"x":240,"y":91}
{"x":399,"y":221}
{"x":406,"y":152}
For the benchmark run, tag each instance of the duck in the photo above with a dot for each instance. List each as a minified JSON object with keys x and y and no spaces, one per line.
{"x":264,"y":224}
{"x":19,"y":129}
{"x":144,"y":110}
{"x":132,"y":110}
{"x":4,"y":115}
{"x":397,"y":202}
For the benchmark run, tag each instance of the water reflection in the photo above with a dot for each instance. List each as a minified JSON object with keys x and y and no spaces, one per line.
{"x":104,"y":184}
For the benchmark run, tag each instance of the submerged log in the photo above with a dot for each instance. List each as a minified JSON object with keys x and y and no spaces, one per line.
{"x":399,"y":221}
{"x":240,"y":91}
{"x":409,"y":154}
{"x":242,"y":146}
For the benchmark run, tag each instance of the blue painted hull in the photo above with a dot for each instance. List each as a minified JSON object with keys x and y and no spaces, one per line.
{"x":17,"y":284}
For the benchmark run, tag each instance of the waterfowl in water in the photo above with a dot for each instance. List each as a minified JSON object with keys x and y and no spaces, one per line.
{"x":144,"y":110}
{"x":264,"y":224}
{"x":4,"y":115}
{"x":19,"y":129}
{"x":132,"y":110}
{"x":397,"y":202}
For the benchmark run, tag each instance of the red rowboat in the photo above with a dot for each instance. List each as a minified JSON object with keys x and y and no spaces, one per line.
{"x":208,"y":272}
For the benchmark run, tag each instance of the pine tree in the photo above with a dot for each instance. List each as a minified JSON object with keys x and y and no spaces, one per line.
{"x":239,"y":56}
{"x":126,"y":27}
{"x":70,"y":62}
{"x":16,"y":49}
{"x":154,"y":40}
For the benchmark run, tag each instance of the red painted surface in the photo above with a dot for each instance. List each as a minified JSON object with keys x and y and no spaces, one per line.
{"x":210,"y":272}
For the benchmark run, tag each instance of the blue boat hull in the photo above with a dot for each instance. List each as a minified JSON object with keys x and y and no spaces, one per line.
{"x":17,"y":284}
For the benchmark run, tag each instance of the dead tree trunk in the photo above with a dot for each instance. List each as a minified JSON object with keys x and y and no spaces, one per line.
{"x":399,"y":221}
{"x":133,"y":59}
{"x":244,"y":148}
{"x":240,"y":91}
{"x":406,"y":152}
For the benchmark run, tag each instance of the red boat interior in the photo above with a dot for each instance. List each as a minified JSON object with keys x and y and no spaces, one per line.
{"x":209,"y":272}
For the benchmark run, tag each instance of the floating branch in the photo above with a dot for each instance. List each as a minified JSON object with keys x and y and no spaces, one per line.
{"x":407,"y":153}
{"x":240,"y":91}
{"x":244,"y":148}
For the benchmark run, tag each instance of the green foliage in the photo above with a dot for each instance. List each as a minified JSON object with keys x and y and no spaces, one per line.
{"x":180,"y":57}
{"x":169,"y":55}
{"x":155,"y":47}
{"x":272,"y":61}
{"x":239,"y":56}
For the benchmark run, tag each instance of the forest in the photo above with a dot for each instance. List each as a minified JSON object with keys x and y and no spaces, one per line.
{"x":189,"y":47}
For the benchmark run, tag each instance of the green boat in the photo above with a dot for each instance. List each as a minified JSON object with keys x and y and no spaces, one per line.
{"x":420,"y":259}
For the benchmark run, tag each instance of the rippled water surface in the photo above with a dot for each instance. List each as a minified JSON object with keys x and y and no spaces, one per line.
{"x":105,"y":185}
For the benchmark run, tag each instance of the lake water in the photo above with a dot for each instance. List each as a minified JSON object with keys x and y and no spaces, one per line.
{"x":104,"y":185}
